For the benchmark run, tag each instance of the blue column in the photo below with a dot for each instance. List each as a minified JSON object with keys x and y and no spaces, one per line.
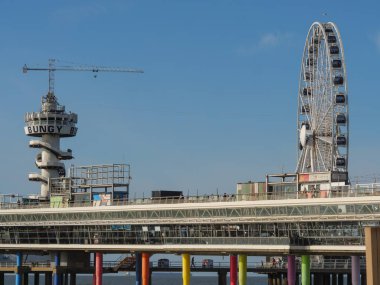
{"x":18,"y":264}
{"x":138,"y":268}
{"x":57,"y":261}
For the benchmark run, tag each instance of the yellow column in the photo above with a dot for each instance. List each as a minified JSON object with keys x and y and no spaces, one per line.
{"x":185,"y":269}
{"x":242,"y":269}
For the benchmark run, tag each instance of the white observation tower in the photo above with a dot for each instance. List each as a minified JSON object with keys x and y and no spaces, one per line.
{"x":50,"y":124}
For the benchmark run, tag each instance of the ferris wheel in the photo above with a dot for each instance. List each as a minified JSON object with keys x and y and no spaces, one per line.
{"x":322,"y":116}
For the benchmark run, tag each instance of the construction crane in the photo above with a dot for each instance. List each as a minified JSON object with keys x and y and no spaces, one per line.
{"x":52,"y":68}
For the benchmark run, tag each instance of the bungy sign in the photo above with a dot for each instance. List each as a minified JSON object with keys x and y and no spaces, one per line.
{"x":50,"y":129}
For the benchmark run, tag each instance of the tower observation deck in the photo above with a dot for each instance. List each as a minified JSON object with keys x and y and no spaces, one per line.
{"x":50,"y":125}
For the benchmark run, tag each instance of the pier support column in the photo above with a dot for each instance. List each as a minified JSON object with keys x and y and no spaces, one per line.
{"x":364,"y":279}
{"x":18,"y":264}
{"x":340,"y":279}
{"x":48,"y":278}
{"x":270,"y":279}
{"x":145,"y":270}
{"x":57,"y":262}
{"x":326,"y":279}
{"x":233,"y":270}
{"x":36,"y":278}
{"x":242,"y":269}
{"x":305,"y":270}
{"x":222,"y":277}
{"x":355,"y":270}
{"x":372,"y":252}
{"x":138,"y":268}
{"x":185,"y":269}
{"x":25,"y":278}
{"x":73,"y":279}
{"x":291,"y":270}
{"x":98,"y":268}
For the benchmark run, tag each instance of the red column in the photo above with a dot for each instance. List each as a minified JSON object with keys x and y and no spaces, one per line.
{"x":233,"y":270}
{"x":98,"y":268}
{"x":145,"y":274}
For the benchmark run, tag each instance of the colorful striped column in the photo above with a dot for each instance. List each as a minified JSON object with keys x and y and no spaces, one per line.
{"x":145,"y":271}
{"x":233,"y":270}
{"x":242,"y":269}
{"x":291,"y":270}
{"x":18,"y":264}
{"x":305,"y":270}
{"x":98,"y":268}
{"x":185,"y":269}
{"x":138,"y":268}
{"x":57,"y":262}
{"x":355,"y":270}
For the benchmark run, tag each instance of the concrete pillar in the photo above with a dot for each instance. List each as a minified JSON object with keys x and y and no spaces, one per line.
{"x":145,"y":271}
{"x":355,"y":270}
{"x":305,"y":270}
{"x":349,"y":279}
{"x":138,"y":268}
{"x":18,"y":264}
{"x":340,"y":279}
{"x":48,"y":278}
{"x":66,"y":278}
{"x":233,"y":270}
{"x":326,"y":279}
{"x":36,"y":278}
{"x":270,"y":279}
{"x":363,"y":279}
{"x":284,"y":279}
{"x":98,"y":268}
{"x":57,"y":262}
{"x":242,"y":269}
{"x":372,"y":251}
{"x":278,"y":279}
{"x":222,"y":277}
{"x":25,"y":278}
{"x":185,"y":269}
{"x":291,"y":270}
{"x":317,"y":279}
{"x":73,"y":279}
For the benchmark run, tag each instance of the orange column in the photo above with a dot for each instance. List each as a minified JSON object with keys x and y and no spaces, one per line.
{"x":145,"y":271}
{"x":98,"y":268}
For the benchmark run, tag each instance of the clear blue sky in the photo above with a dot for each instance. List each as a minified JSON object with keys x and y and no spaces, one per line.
{"x":216,"y":104}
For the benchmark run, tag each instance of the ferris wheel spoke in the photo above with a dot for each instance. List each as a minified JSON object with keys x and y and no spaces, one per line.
{"x":328,"y":140}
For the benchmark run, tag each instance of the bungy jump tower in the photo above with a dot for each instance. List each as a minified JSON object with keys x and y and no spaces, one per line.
{"x":50,"y":125}
{"x":103,"y":184}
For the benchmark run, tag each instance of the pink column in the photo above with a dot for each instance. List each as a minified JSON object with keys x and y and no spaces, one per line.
{"x":233,"y":270}
{"x":98,"y":268}
{"x":291,"y":270}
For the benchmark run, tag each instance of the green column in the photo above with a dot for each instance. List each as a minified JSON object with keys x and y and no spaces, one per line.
{"x":305,"y":269}
{"x":242,"y":269}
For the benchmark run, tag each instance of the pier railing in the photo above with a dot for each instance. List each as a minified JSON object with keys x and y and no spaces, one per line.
{"x":338,"y":192}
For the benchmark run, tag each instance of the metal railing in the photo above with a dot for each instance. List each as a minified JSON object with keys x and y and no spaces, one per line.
{"x":340,"y":192}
